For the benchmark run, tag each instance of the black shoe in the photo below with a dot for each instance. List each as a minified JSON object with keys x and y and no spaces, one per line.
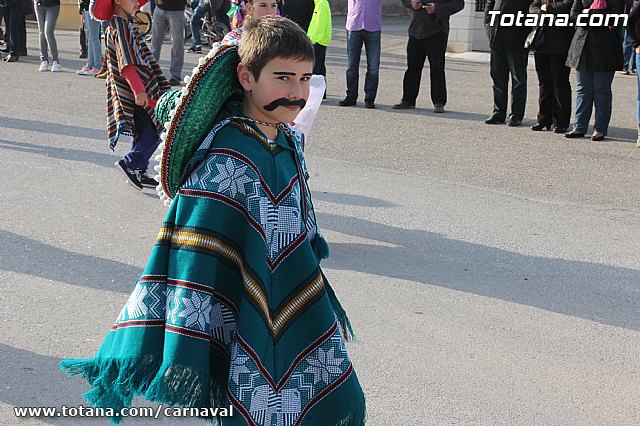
{"x":174,"y":82}
{"x":539,"y":126}
{"x":132,"y":175}
{"x":559,"y":129}
{"x":494,"y":119}
{"x":195,"y":49}
{"x":439,"y":108}
{"x":347,"y":102}
{"x":146,"y":180}
{"x":574,"y":134}
{"x":82,"y":55}
{"x":597,"y":136}
{"x":514,"y":123}
{"x":369,"y":104}
{"x":404,"y":105}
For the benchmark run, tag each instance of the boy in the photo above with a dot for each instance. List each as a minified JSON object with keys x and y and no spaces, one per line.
{"x":134,"y":81}
{"x":233,"y":307}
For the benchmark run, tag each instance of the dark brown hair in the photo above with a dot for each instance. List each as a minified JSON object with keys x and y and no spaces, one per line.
{"x":273,"y":37}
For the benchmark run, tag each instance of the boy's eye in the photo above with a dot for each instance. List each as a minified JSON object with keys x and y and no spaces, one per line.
{"x":305,"y":78}
{"x":284,"y":77}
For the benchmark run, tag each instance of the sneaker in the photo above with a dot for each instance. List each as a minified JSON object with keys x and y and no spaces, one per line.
{"x":146,"y":180}
{"x":132,"y":175}
{"x":44,"y":66}
{"x":55,"y":67}
{"x":195,"y":49}
{"x":625,"y":72}
{"x":82,"y":70}
{"x":91,"y":72}
{"x":174,"y":82}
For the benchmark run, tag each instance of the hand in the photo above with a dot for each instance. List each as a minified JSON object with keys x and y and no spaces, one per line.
{"x":431,"y":8}
{"x":543,"y":8}
{"x":585,"y":10}
{"x":142,"y":99}
{"x":638,"y":50}
{"x":416,"y":4}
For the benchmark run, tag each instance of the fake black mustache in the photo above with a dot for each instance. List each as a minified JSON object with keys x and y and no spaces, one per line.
{"x":284,"y":102}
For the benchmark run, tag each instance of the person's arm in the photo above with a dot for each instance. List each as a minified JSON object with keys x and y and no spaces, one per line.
{"x":130,"y":73}
{"x":631,"y":25}
{"x":576,"y":10}
{"x":487,"y":8}
{"x":536,"y":7}
{"x":559,"y":6}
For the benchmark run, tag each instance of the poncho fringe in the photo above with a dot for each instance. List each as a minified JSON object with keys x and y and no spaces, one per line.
{"x":116,"y":382}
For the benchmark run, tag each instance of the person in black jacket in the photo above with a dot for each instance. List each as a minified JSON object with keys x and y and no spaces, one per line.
{"x":633,"y":31}
{"x":508,"y":56}
{"x":299,"y":11}
{"x":14,"y":14}
{"x":554,"y":104}
{"x":428,"y":38}
{"x":596,"y":54}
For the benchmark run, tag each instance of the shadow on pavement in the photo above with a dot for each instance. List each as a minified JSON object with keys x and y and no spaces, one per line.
{"x":100,"y":159}
{"x":30,"y":257}
{"x":604,"y":294}
{"x":53,"y":128}
{"x":350,"y":199}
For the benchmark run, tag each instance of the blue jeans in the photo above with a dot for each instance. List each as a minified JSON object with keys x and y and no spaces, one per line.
{"x":628,"y":51}
{"x":593,"y":88}
{"x":94,"y":48}
{"x":371,"y":41}
{"x":145,"y":143}
{"x":637,"y":58}
{"x":199,"y":10}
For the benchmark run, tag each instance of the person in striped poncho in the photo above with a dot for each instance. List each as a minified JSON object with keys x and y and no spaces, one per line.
{"x":134,"y":82}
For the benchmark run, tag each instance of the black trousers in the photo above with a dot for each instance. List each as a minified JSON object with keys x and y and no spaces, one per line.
{"x":505,"y":61}
{"x":555,"y":90}
{"x":321,"y":52}
{"x":418,"y":50}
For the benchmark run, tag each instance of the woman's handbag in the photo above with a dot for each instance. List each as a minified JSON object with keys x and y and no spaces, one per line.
{"x":535,"y":39}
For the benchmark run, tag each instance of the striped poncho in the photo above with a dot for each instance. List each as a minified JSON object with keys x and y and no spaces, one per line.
{"x":233,"y":307}
{"x":125,"y":46}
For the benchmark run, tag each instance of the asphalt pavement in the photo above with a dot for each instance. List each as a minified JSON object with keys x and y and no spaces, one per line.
{"x":491,"y":273}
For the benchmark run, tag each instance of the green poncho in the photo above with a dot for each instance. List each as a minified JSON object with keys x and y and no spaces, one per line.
{"x":233,"y":307}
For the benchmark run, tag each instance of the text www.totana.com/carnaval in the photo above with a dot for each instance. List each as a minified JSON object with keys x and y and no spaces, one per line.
{"x":153,"y":412}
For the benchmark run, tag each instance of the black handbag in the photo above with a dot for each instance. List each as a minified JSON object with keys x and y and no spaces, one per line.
{"x":535,"y":39}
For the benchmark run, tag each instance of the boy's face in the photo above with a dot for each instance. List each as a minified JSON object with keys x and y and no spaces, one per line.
{"x":281,"y":91}
{"x":260,"y":8}
{"x":127,"y":6}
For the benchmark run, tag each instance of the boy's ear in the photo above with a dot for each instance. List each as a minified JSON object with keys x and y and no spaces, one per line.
{"x":244,"y":76}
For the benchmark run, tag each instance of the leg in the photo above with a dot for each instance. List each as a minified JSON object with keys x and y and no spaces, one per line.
{"x":145,"y":143}
{"x":500,"y":78}
{"x":176,"y":22}
{"x":321,"y":52}
{"x":354,"y":49}
{"x":603,"y":99}
{"x":517,"y":60}
{"x":584,"y":99}
{"x":561,"y":91}
{"x":372,"y":48}
{"x":15,"y":42}
{"x":41,"y":16}
{"x":545,"y":88}
{"x":196,"y":23}
{"x":436,"y":47}
{"x":159,"y":27}
{"x":49,"y":28}
{"x":416,"y":55}
{"x":94,"y":50}
{"x":83,"y":42}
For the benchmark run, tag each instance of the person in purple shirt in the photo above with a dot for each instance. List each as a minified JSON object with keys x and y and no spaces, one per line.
{"x":364,"y":26}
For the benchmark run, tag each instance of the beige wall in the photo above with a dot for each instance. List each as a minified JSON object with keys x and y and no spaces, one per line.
{"x":69,"y":18}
